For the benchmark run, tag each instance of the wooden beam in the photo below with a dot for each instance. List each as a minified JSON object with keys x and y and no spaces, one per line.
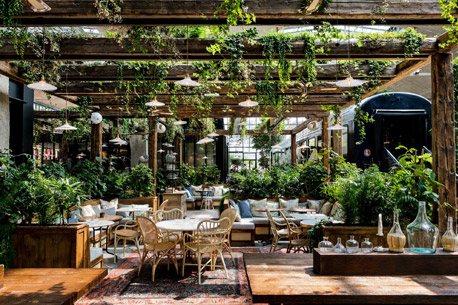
{"x":442,"y":39}
{"x":300,"y":127}
{"x":293,"y":150}
{"x":223,"y":132}
{"x":99,"y":49}
{"x":179,"y":71}
{"x":405,"y":69}
{"x":443,"y":136}
{"x":268,"y":12}
{"x":96,"y":141}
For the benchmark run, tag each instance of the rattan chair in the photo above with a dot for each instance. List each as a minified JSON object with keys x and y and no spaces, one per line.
{"x":160,"y":245}
{"x":281,"y":228}
{"x":126,"y":232}
{"x":230,"y":213}
{"x":209,"y":238}
{"x":161,"y":215}
{"x":297,"y":240}
{"x":163,"y":205}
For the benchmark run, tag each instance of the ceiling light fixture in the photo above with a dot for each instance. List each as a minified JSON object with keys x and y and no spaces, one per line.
{"x":337,"y":127}
{"x":180,"y":122}
{"x":42,"y":84}
{"x":349,"y":82}
{"x":154,"y":103}
{"x":212,"y":134}
{"x":187,"y":81}
{"x":248,"y":103}
{"x":211,"y":94}
{"x":205,"y":141}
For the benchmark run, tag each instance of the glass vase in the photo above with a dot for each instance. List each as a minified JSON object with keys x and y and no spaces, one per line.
{"x":421,"y":233}
{"x":396,"y":238}
{"x":367,"y":246}
{"x":449,"y":240}
{"x":352,"y":245}
{"x":325,"y":245}
{"x":339,"y":247}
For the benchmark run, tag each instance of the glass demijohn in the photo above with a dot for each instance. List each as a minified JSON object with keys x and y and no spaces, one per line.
{"x":421,"y":233}
{"x":449,"y":240}
{"x":325,"y":245}
{"x":367,"y":246}
{"x":339,"y":247}
{"x":352,"y":245}
{"x":396,"y":238}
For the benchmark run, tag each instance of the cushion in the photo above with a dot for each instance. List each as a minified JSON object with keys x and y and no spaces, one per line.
{"x":244,"y":206}
{"x":315,"y":204}
{"x":337,"y":212}
{"x":218,"y":191}
{"x":326,"y":208}
{"x":244,"y":224}
{"x":285,"y":205}
{"x":87,"y":211}
{"x":141,"y":206}
{"x":74,"y":216}
{"x":97,"y":209}
{"x":109,"y":204}
{"x":237,"y":208}
{"x":258,"y":204}
{"x":194,"y":188}
{"x":123,"y":214}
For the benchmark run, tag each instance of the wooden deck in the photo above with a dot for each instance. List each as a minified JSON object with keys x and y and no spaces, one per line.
{"x":48,"y":286}
{"x":289,"y":278}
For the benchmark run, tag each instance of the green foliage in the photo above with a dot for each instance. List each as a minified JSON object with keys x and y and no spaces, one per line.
{"x":449,"y":8}
{"x":275,"y":46}
{"x":312,"y":175}
{"x":235,"y":11}
{"x":161,"y":181}
{"x":9,"y":9}
{"x":204,"y":174}
{"x":109,"y":10}
{"x":141,"y":181}
{"x":264,"y":141}
{"x":90,"y":174}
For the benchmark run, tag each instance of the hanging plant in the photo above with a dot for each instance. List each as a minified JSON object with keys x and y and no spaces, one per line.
{"x":268,"y":96}
{"x":449,"y":8}
{"x":275,"y":46}
{"x":109,"y":10}
{"x":306,"y":67}
{"x":9,"y":9}
{"x":235,"y":11}
{"x":173,"y":130}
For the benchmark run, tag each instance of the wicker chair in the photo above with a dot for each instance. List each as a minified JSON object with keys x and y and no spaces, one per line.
{"x":163,"y":205}
{"x":158,"y":244}
{"x":296,"y":242}
{"x":287,"y":230}
{"x":230,"y":213}
{"x":161,"y":215}
{"x":209,"y":238}
{"x":126,"y":232}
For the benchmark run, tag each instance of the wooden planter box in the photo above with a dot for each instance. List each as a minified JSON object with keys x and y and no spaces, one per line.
{"x":65,"y":246}
{"x":360,"y":233}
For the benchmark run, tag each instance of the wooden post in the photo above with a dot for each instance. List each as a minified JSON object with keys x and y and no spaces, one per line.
{"x":443,"y":136}
{"x":179,"y":146}
{"x":326,"y":144}
{"x":293,"y":150}
{"x":96,"y":141}
{"x":152,"y":147}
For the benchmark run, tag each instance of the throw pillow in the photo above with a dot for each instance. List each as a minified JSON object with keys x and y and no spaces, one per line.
{"x":218,"y":191}
{"x":315,"y":204}
{"x":194,"y":188}
{"x":256,"y":205}
{"x":97,"y":209}
{"x":237,"y":208}
{"x":87,"y":211}
{"x":123,"y":214}
{"x":326,"y":208}
{"x":109,"y":204}
{"x":273,"y":205}
{"x":244,"y":206}
{"x":337,"y":212}
{"x":286,"y":205}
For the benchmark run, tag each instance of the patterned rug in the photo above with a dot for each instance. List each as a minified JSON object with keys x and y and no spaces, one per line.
{"x":123,"y":286}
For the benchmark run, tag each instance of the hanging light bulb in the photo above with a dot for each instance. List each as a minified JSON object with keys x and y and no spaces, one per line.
{"x":154,"y":103}
{"x":248,"y":103}
{"x":42,"y":85}
{"x":115,"y":140}
{"x":205,"y":141}
{"x":121,"y":142}
{"x":180,"y":122}
{"x":65,"y":127}
{"x":212,"y":134}
{"x":349,"y":82}
{"x":337,"y":127}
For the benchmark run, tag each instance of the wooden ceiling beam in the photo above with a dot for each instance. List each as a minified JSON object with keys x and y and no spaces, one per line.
{"x":222,"y":132}
{"x":100,"y":49}
{"x":268,"y":12}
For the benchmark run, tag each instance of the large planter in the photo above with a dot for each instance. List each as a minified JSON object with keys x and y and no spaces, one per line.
{"x":360,"y":233}
{"x":65,"y":246}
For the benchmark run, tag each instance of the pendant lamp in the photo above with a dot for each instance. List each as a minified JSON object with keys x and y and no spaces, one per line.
{"x":154,"y":103}
{"x":248,"y":103}
{"x":180,"y":122}
{"x":42,"y":84}
{"x":349,"y":82}
{"x":212,"y":134}
{"x":337,"y":127}
{"x":65,"y":127}
{"x":205,"y":141}
{"x":187,"y":81}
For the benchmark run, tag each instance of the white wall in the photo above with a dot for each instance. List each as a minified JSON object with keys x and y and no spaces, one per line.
{"x":4,"y":113}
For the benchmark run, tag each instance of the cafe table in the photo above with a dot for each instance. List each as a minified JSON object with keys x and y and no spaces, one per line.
{"x":132,"y":209}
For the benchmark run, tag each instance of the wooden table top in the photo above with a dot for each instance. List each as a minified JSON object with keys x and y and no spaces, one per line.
{"x":48,"y":286}
{"x":289,"y":278}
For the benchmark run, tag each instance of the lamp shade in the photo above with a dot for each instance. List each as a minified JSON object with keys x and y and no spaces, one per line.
{"x":115,"y":140}
{"x":154,"y":103}
{"x":180,"y":122}
{"x":349,"y":82}
{"x":205,"y":141}
{"x":160,"y":128}
{"x":96,"y":118}
{"x":212,"y":134}
{"x":65,"y":127}
{"x":276,"y":147}
{"x":42,"y":85}
{"x":248,"y":103}
{"x":187,"y":82}
{"x":337,"y":127}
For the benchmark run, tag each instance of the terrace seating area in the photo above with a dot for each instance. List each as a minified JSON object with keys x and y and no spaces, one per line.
{"x":228,"y":152}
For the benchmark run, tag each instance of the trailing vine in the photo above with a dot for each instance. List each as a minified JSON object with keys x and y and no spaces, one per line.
{"x":449,"y":8}
{"x":9,"y":9}
{"x":275,"y":46}
{"x":235,"y":11}
{"x":268,"y":96}
{"x":109,"y":10}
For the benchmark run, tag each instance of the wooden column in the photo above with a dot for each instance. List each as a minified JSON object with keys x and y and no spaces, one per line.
{"x":326,"y":144}
{"x":443,"y":136}
{"x":152,"y":147}
{"x":293,"y":150}
{"x":64,"y":150}
{"x":337,"y":141}
{"x":179,"y":146}
{"x":96,"y":141}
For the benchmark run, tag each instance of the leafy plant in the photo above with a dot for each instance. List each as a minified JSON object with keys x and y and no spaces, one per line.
{"x":90,"y":174}
{"x":141,"y":181}
{"x":235,"y":11}
{"x":9,"y":9}
{"x":109,"y":10}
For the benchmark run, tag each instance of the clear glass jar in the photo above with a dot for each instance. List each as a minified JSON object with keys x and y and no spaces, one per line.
{"x":367,"y":246}
{"x":449,"y":240}
{"x":396,"y":238}
{"x":352,"y":245}
{"x":325,"y":245}
{"x":339,"y":247}
{"x":170,"y":157}
{"x":421,"y":233}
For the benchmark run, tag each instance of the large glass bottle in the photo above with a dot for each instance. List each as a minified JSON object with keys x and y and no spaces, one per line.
{"x":325,"y":245}
{"x":396,"y":238}
{"x":449,"y":241}
{"x":421,"y":233}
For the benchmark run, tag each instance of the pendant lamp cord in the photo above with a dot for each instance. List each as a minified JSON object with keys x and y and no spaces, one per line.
{"x":43,"y":53}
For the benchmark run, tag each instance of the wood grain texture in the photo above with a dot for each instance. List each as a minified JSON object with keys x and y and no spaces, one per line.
{"x":407,"y":263}
{"x":289,"y":278}
{"x":96,"y":141}
{"x":48,"y":286}
{"x":443,"y":136}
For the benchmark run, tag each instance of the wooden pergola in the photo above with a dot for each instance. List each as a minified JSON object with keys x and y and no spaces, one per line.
{"x":99,"y":81}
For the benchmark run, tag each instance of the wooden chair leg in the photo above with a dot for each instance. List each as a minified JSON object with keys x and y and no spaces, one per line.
{"x":115,"y":243}
{"x":124,"y":247}
{"x":222,"y":260}
{"x":184,"y":261}
{"x":199,"y":270}
{"x":228,"y":247}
